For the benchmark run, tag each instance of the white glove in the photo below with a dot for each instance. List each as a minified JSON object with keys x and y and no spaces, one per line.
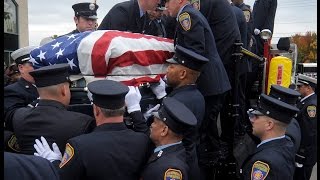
{"x":298,"y":165}
{"x":159,"y":90}
{"x":132,"y":99}
{"x":147,"y":114}
{"x":43,"y":150}
{"x":256,"y":31}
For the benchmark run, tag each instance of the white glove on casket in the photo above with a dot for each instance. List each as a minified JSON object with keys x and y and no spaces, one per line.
{"x":159,"y":90}
{"x":43,"y":150}
{"x":132,"y":99}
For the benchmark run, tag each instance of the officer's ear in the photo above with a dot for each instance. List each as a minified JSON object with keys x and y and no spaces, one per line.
{"x":164,"y":131}
{"x":183,"y":74}
{"x":76,"y":19}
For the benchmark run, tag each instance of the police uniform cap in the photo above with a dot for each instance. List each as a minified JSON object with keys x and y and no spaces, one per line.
{"x":283,"y":94}
{"x":188,"y":58}
{"x":307,"y":80}
{"x":22,"y":55}
{"x":175,"y":115}
{"x":88,"y":10}
{"x":275,"y":109}
{"x":108,"y":94}
{"x":51,"y":75}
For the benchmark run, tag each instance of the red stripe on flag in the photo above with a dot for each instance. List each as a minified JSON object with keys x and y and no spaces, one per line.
{"x":138,"y":81}
{"x":101,"y":46}
{"x":143,"y":58}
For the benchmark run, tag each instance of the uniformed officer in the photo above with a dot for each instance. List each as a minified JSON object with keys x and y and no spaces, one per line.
{"x":28,"y":167}
{"x":85,"y":17}
{"x":263,"y":13}
{"x":18,"y":95}
{"x":168,"y":160}
{"x":111,"y":151}
{"x":182,"y":73}
{"x":50,"y":117}
{"x":274,"y":156}
{"x":307,"y":117}
{"x":194,"y":33}
{"x":129,"y":16}
{"x":157,"y":22}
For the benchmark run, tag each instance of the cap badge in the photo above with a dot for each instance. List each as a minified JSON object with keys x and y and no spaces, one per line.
{"x":91,"y":6}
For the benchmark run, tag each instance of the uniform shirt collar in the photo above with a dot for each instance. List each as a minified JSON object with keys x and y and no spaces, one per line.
{"x":271,"y":139}
{"x":304,"y":98}
{"x":177,"y":18}
{"x":159,"y":148}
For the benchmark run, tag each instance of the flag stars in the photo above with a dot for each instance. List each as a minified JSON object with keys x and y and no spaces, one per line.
{"x":71,"y":36}
{"x":56,"y":45}
{"x":33,"y":61}
{"x":41,"y":55}
{"x":71,"y":64}
{"x":59,"y":53}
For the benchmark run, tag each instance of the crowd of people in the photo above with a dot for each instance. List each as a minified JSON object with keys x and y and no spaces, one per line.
{"x":178,"y":138}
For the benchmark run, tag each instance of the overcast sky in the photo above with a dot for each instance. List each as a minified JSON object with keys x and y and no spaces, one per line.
{"x":50,"y":17}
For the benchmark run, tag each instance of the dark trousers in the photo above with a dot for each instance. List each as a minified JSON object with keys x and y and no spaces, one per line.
{"x":303,"y":173}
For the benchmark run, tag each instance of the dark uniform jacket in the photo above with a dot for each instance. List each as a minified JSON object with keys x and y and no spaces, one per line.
{"x":51,"y":120}
{"x":294,"y":132}
{"x":125,"y":16}
{"x":191,"y":97}
{"x":17,"y":95}
{"x":223,"y":24}
{"x":199,"y":38}
{"x":28,"y":167}
{"x":264,"y":12}
{"x":272,"y":160}
{"x":168,"y":163}
{"x":111,"y":151}
{"x":307,"y":119}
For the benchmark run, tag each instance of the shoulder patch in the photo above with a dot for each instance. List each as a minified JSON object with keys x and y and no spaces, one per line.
{"x":172,"y":174}
{"x":68,"y":154}
{"x":196,"y":4}
{"x":259,"y":170}
{"x":312,"y":111}
{"x":247,"y":15}
{"x":13,"y":143}
{"x":185,"y":21}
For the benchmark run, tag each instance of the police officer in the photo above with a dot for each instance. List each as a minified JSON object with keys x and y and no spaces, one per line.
{"x":23,"y":92}
{"x":182,"y":73}
{"x":50,"y":117}
{"x":307,"y":117}
{"x":157,"y":22}
{"x":263,"y":13}
{"x":168,"y":160}
{"x":85,"y":17}
{"x":274,"y":156}
{"x":28,"y":167}
{"x":129,"y":16}
{"x":111,"y":151}
{"x":194,"y":33}
{"x":17,"y":95}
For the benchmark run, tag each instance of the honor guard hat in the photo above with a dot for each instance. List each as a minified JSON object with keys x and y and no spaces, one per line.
{"x":88,"y":10}
{"x":307,"y":80}
{"x":51,"y":75}
{"x":22,"y":55}
{"x":188,"y":58}
{"x":275,"y":109}
{"x":175,"y":115}
{"x":108,"y":94}
{"x":283,"y":94}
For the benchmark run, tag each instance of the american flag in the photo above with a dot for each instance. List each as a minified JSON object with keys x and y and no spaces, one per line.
{"x":131,"y":58}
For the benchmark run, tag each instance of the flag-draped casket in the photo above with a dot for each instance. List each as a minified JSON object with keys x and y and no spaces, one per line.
{"x":131,"y":58}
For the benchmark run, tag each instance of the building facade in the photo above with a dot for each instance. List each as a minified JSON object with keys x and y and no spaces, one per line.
{"x":16,"y":30}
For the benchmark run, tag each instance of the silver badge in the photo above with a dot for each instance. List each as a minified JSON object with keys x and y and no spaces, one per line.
{"x":92,"y":6}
